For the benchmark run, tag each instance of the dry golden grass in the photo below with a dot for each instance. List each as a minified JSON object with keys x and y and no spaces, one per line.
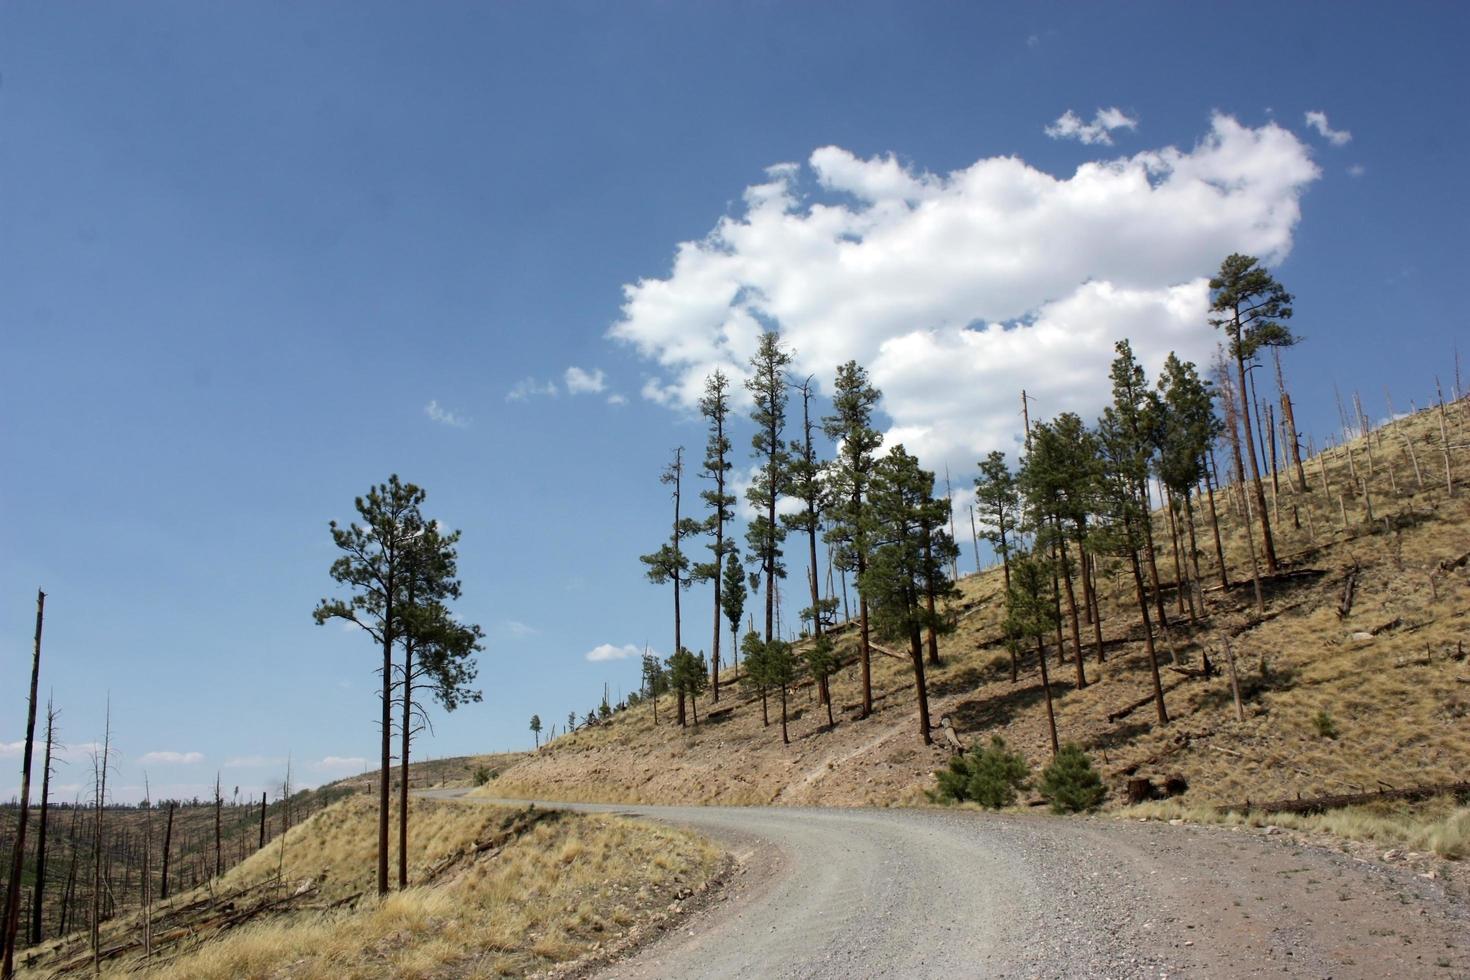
{"x":1440,"y":826}
{"x":567,"y":884}
{"x":1397,"y":699}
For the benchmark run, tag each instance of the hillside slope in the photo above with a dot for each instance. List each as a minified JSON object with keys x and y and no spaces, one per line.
{"x":1390,"y":676}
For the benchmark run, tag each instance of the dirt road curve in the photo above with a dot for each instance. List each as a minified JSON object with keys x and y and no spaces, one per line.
{"x":919,"y":893}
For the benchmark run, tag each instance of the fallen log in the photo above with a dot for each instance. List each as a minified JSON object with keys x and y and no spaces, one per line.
{"x":1317,"y":804}
{"x":1349,"y":587}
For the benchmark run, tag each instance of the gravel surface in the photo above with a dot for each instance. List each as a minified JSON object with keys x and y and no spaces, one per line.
{"x":828,"y":893}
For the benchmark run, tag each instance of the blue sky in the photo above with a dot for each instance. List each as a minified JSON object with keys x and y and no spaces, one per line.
{"x":244,"y":248}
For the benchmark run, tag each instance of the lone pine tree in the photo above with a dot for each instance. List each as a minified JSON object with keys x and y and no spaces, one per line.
{"x":764,"y":534}
{"x":437,"y":651}
{"x":375,"y":566}
{"x":669,"y":564}
{"x":850,"y":426}
{"x":715,"y":407}
{"x":1250,"y":306}
{"x":536,"y":729}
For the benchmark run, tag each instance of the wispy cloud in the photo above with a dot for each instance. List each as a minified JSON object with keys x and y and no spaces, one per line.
{"x":340,"y":763}
{"x":10,"y":750}
{"x":1357,"y":170}
{"x":444,"y":416}
{"x":617,"y":399}
{"x":1317,"y":120}
{"x":531,"y":388}
{"x":170,"y":757}
{"x":519,"y":629}
{"x":253,"y":762}
{"x":1069,"y":125}
{"x":580,"y":381}
{"x":607,"y":651}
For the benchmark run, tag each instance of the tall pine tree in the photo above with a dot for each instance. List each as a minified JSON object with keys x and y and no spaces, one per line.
{"x":851,"y":473}
{"x":715,"y":407}
{"x":765,"y":534}
{"x":669,"y":564}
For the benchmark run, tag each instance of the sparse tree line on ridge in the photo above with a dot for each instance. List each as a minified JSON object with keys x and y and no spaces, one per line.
{"x":1081,"y":500}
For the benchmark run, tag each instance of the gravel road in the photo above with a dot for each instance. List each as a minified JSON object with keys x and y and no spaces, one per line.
{"x":829,"y":893}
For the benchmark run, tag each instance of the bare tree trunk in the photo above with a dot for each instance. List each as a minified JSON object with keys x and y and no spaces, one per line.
{"x":1255,"y":470}
{"x":17,"y":860}
{"x":933,"y":639}
{"x":785,"y":740}
{"x":262,"y":820}
{"x":168,"y":834}
{"x":38,"y":896}
{"x":1234,"y":682}
{"x":406,"y":735}
{"x":1051,"y":717}
{"x":1089,"y":592}
{"x":1071,"y":607}
{"x":1215,"y":527}
{"x":1148,"y":635}
{"x":100,"y":785}
{"x":916,"y":654}
{"x":219,"y":866}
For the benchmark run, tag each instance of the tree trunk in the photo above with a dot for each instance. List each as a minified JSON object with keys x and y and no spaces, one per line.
{"x":1250,"y":451}
{"x":1148,"y":637}
{"x":1090,"y":594}
{"x":404,"y":737}
{"x":385,"y":800}
{"x":17,"y":860}
{"x":1215,"y":526}
{"x":1051,"y":718}
{"x":38,"y":895}
{"x":1182,"y":591}
{"x":168,"y":836}
{"x":219,"y":866}
{"x":916,"y":653}
{"x":1071,"y":609}
{"x":785,"y":740}
{"x":933,"y":639}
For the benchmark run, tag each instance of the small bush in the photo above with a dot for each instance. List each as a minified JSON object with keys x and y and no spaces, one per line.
{"x":482,"y":775}
{"x":1070,"y":783}
{"x":1323,"y":723}
{"x":990,"y":775}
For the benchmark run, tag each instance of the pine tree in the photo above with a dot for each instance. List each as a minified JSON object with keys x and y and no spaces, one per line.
{"x":375,"y":565}
{"x":765,"y":534}
{"x":437,"y":650}
{"x":1032,"y":614}
{"x":715,"y":407}
{"x":688,"y":678}
{"x":1058,"y":478}
{"x":851,"y":426}
{"x":1251,"y":306}
{"x":536,"y":729}
{"x":1189,"y":428}
{"x":732,"y":600}
{"x":901,"y":505}
{"x":822,"y":663}
{"x":1123,"y":511}
{"x":808,"y":485}
{"x":756,"y":676}
{"x":779,"y":667}
{"x":655,"y":681}
{"x":669,"y":564}
{"x":998,"y":503}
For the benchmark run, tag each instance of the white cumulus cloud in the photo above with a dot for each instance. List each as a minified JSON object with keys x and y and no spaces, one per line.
{"x":12,"y":749}
{"x":168,"y":757}
{"x":607,"y":651}
{"x":531,"y":388}
{"x":444,"y":416}
{"x":1070,"y":126}
{"x":958,"y":290}
{"x":1337,"y":137}
{"x":583,"y":382}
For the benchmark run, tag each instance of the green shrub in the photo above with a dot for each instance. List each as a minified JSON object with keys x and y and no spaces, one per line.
{"x":482,"y":775}
{"x":1323,"y":723}
{"x":1070,"y":783}
{"x":990,"y":775}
